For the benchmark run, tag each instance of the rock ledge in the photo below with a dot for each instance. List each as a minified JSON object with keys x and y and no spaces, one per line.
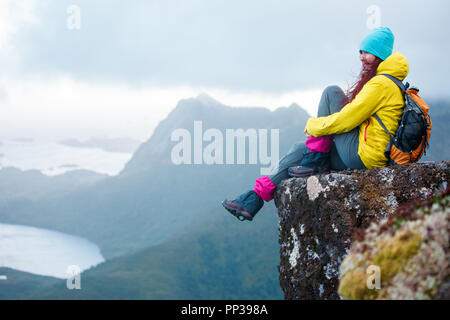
{"x":319,"y":214}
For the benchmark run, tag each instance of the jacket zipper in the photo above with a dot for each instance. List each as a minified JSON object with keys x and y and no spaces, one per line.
{"x":365,"y":131}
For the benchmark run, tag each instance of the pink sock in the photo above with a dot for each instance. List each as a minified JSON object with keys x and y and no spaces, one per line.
{"x":320,"y":144}
{"x":264,"y":188}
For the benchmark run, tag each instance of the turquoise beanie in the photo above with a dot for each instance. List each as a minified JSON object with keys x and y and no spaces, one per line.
{"x":379,"y":42}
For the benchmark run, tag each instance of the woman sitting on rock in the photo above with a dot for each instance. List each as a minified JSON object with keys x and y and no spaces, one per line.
{"x":345,"y":134}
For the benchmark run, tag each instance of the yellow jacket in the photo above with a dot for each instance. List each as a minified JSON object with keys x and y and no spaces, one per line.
{"x":380,"y":95}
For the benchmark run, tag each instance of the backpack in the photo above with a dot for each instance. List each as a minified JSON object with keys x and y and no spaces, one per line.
{"x":413,"y":134}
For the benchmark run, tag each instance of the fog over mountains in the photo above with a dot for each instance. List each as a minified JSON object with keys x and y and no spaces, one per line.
{"x":152,"y":199}
{"x":121,"y":145}
{"x":161,"y":226}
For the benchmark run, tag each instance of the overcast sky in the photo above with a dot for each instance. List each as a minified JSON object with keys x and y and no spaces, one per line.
{"x":130,"y":62}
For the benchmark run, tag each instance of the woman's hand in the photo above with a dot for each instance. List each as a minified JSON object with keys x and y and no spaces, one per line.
{"x":307,"y":134}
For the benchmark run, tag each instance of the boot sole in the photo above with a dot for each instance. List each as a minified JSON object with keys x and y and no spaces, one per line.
{"x":237,"y":213}
{"x":307,"y":174}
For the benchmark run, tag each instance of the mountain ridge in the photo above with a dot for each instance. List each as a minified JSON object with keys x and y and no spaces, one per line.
{"x":163,"y":206}
{"x":156,"y":200}
{"x":218,"y":116}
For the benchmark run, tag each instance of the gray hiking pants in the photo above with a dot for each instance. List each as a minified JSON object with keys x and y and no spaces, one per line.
{"x":344,"y":154}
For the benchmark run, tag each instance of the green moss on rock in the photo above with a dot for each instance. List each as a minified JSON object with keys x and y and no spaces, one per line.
{"x":410,"y":248}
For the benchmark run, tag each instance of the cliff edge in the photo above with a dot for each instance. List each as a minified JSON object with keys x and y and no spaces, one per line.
{"x":318,"y":217}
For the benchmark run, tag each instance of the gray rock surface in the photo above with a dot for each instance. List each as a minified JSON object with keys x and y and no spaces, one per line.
{"x":319,"y":214}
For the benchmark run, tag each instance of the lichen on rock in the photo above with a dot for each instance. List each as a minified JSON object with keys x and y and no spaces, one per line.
{"x":411,"y":250}
{"x":318,"y":217}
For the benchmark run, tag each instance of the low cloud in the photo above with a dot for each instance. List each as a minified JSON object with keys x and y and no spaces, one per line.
{"x":265,"y":45}
{"x":65,"y":108}
{"x":3,"y":95}
{"x":129,"y":63}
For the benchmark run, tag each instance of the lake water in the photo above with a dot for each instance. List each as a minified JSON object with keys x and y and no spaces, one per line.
{"x":41,"y":251}
{"x":45,"y":252}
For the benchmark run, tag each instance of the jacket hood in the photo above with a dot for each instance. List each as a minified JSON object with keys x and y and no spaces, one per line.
{"x":395,"y":65}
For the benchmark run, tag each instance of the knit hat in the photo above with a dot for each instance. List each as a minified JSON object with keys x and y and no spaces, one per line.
{"x":379,"y":42}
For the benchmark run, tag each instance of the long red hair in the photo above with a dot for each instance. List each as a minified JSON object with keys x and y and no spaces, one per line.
{"x":363,"y":78}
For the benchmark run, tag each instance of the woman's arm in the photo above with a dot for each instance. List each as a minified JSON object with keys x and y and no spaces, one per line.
{"x":366,"y":103}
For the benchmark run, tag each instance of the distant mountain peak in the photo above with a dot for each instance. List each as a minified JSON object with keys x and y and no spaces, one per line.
{"x":207,"y":100}
{"x":197,"y":105}
{"x":294,"y":105}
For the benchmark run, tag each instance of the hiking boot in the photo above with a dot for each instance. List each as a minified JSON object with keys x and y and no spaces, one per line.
{"x":245,"y":207}
{"x":302,"y":171}
{"x":237,"y":210}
